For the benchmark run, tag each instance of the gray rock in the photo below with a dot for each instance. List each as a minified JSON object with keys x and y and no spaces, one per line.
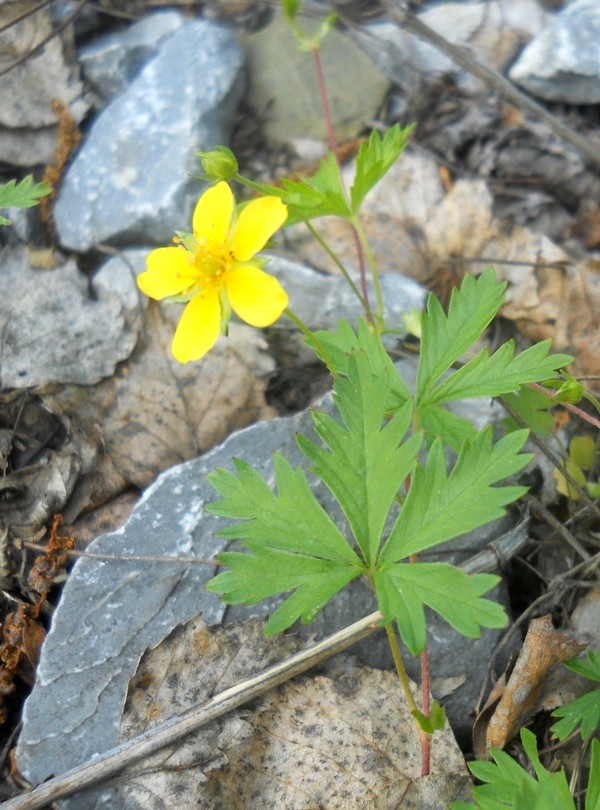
{"x":563,"y":62}
{"x":110,"y":612}
{"x":491,"y":30}
{"x":52,"y":331}
{"x":27,"y":121}
{"x":320,"y":300}
{"x":111,"y":62}
{"x":130,"y":181}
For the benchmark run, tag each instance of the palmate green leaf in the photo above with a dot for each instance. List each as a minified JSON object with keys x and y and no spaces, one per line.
{"x":404,"y":588}
{"x":310,"y":556}
{"x":375,"y":158}
{"x":508,"y":785}
{"x":22,"y":195}
{"x":308,"y":198}
{"x":446,"y":337}
{"x":440,"y":506}
{"x":341,"y":343}
{"x":485,"y":376}
{"x":365,"y":465}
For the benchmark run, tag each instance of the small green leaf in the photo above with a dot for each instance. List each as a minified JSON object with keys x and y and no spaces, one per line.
{"x":308,"y":198}
{"x":584,"y":712}
{"x":589,"y":667}
{"x":446,"y":337}
{"x":563,"y":485}
{"x":508,"y":785}
{"x":439,"y":507}
{"x":436,"y":720}
{"x":532,"y":407}
{"x":375,"y":158}
{"x":582,"y":451}
{"x":404,"y":588}
{"x":291,"y":9}
{"x":23,"y":195}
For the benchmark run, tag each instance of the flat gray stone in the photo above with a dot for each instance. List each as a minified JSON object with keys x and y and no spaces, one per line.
{"x":112,"y":611}
{"x":110,"y":63}
{"x":563,"y":62}
{"x":130,"y":183}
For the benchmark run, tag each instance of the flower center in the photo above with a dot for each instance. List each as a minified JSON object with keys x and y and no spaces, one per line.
{"x":210,"y":263}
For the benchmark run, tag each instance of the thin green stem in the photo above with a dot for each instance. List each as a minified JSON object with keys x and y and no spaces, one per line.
{"x":424,"y":738}
{"x":373,"y":268}
{"x":312,"y":338}
{"x":338,"y":263}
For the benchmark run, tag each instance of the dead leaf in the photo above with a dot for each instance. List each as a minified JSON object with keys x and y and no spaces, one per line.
{"x":156,"y":412}
{"x":314,"y":742}
{"x":52,"y":330}
{"x":542,"y":649}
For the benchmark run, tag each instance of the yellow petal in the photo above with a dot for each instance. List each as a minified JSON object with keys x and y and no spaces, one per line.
{"x":168,"y":272}
{"x":198,"y":328}
{"x":256,"y":224}
{"x":255,"y":296}
{"x":212,"y":217}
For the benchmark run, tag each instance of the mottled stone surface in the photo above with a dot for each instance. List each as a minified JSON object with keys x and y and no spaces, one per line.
{"x":111,"y":62}
{"x":563,"y":62}
{"x":130,"y":181}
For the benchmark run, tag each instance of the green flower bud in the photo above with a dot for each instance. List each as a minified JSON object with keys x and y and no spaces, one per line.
{"x":570,"y":391}
{"x":219,"y":164}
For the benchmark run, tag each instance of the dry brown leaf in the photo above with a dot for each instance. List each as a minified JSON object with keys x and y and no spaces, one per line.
{"x":314,"y":742}
{"x":156,"y":412}
{"x":542,"y":649}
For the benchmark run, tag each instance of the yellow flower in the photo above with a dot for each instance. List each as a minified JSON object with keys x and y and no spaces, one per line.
{"x":214,"y":271}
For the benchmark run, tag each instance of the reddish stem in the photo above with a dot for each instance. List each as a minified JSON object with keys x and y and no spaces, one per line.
{"x":334,"y":148}
{"x":568,"y":405}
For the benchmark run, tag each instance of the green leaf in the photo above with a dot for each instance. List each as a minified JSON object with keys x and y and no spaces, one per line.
{"x":446,"y":337}
{"x":375,"y":158}
{"x":588,"y":667}
{"x":532,"y":407}
{"x":435,"y":721}
{"x":584,"y":712}
{"x":308,"y":198}
{"x":404,"y":588}
{"x":451,"y":427}
{"x":502,"y":373}
{"x":440,"y":506}
{"x":269,"y":571}
{"x":23,"y":195}
{"x":341,"y":343}
{"x":365,"y":465}
{"x":508,"y":785}
{"x":310,"y":556}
